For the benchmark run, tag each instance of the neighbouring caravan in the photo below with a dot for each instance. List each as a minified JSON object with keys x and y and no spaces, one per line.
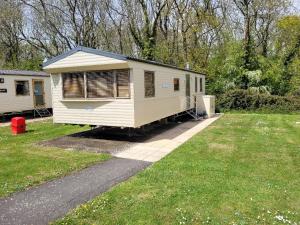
{"x":94,"y":87}
{"x":22,"y":91}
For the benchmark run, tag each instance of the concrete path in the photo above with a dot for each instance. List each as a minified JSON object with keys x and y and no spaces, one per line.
{"x":52,"y":200}
{"x":160,"y":145}
{"x":6,"y":124}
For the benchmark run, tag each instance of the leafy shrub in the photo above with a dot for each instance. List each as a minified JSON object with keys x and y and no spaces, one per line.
{"x":296,"y":93}
{"x":247,"y":100}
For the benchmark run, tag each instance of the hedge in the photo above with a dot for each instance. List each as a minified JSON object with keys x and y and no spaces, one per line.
{"x":245,"y":100}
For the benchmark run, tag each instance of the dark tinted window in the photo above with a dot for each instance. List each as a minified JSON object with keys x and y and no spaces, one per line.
{"x":149,"y":84}
{"x":176,"y":84}
{"x":22,"y":87}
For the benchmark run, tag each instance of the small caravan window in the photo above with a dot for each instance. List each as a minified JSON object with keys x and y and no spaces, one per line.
{"x":196,"y":84}
{"x":123,"y":83}
{"x":176,"y":84}
{"x":73,"y":85}
{"x":201,"y":85}
{"x":100,"y":84}
{"x":22,"y":87}
{"x":149,"y":84}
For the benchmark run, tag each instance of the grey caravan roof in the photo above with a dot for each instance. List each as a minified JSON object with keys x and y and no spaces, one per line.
{"x":110,"y":55}
{"x":23,"y":73}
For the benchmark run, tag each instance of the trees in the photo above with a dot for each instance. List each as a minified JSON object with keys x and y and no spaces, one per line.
{"x":59,"y":25}
{"x":10,"y":23}
{"x":255,"y":25}
{"x":288,"y":49}
{"x":143,"y":20}
{"x":268,"y":13}
{"x":288,"y":41}
{"x":248,"y":10}
{"x":228,"y":38}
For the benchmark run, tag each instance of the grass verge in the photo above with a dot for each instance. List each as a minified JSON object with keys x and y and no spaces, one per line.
{"x":23,"y":163}
{"x":243,"y":169}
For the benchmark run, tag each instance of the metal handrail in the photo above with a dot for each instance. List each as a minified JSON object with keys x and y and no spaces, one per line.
{"x":192,"y":113}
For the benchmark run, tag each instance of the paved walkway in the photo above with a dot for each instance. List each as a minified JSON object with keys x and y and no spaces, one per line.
{"x":159,"y":146}
{"x":6,"y":124}
{"x":52,"y":200}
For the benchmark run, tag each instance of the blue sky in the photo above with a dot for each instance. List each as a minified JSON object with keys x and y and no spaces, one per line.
{"x":297,"y":4}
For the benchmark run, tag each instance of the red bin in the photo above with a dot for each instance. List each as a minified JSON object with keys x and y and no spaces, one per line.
{"x":18,"y":125}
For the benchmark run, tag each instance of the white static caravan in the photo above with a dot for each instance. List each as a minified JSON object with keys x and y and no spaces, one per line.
{"x":94,"y":87}
{"x":22,"y":91}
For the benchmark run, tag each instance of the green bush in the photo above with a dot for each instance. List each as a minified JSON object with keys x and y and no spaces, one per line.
{"x":246,"y":100}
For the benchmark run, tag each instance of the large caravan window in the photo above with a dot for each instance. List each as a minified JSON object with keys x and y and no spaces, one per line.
{"x":100,"y":84}
{"x":22,"y":87}
{"x":149,"y":84}
{"x":97,"y":84}
{"x":122,"y":83}
{"x":201,"y":85}
{"x":196,"y":84}
{"x":73,"y":85}
{"x":176,"y":84}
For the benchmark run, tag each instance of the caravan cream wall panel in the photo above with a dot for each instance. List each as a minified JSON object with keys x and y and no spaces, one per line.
{"x":10,"y":102}
{"x":209,"y":103}
{"x":119,"y":112}
{"x":85,"y":60}
{"x":166,"y":102}
{"x":200,"y":104}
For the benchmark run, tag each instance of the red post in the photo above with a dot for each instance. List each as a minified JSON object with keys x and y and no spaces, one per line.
{"x":18,"y":125}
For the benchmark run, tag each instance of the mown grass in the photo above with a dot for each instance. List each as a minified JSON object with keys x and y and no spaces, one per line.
{"x":243,"y":169}
{"x":24,"y":163}
{"x":261,"y":111}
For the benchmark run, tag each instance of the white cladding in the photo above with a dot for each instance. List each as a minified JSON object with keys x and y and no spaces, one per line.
{"x":10,"y":102}
{"x":115,"y":112}
{"x":85,"y":61}
{"x":132,"y":112}
{"x":166,"y":102}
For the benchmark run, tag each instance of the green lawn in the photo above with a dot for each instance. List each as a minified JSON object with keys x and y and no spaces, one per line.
{"x":243,"y":169}
{"x":23,"y":164}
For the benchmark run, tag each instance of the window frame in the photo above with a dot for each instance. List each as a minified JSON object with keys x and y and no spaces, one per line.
{"x":174,"y":89}
{"x":26,"y":81}
{"x":196,"y":84}
{"x":114,"y":86}
{"x":154,"y":89}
